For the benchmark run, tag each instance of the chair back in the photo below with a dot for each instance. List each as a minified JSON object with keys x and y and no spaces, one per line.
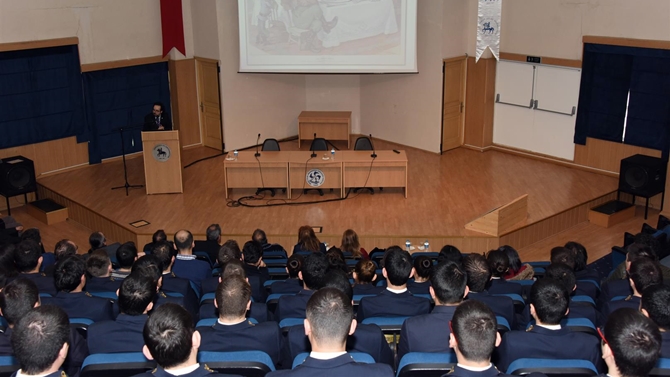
{"x":8,"y":365}
{"x":116,"y":365}
{"x":553,"y":367}
{"x":244,"y":363}
{"x":359,"y":357}
{"x":270,"y":145}
{"x":425,"y":364}
{"x":662,"y":368}
{"x":319,"y":144}
{"x":363,"y":143}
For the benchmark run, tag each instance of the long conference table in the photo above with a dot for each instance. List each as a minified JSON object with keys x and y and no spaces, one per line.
{"x":296,"y":170}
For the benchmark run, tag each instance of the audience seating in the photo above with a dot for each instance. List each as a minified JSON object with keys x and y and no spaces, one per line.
{"x":662,"y":368}
{"x":116,"y":365}
{"x":424,"y":364}
{"x":503,"y":325}
{"x":245,"y":363}
{"x":108,"y":295}
{"x":359,"y":357}
{"x":551,"y":367}
{"x":8,"y":365}
{"x":285,"y":323}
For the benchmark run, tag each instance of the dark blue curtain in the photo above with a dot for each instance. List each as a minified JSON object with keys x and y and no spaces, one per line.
{"x":120,"y":98}
{"x":41,"y":96}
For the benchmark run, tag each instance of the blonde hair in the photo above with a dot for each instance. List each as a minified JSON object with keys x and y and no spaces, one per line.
{"x":350,"y":243}
{"x":307,"y":239}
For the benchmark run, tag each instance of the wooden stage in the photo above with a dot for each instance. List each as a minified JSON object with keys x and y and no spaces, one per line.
{"x":446,"y":192}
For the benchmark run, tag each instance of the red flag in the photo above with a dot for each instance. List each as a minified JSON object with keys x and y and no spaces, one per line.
{"x":172,"y":24}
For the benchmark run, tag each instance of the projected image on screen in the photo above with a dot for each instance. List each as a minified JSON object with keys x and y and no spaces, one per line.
{"x":327,"y":36}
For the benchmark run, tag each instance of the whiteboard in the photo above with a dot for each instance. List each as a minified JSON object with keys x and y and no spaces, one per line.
{"x":556,"y":88}
{"x":514,"y":82}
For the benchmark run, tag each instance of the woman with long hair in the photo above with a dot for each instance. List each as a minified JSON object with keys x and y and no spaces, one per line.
{"x":308,"y":241}
{"x":351,"y":245}
{"x":516,"y":270}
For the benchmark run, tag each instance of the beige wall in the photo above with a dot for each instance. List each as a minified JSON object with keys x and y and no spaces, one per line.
{"x":205,"y":30}
{"x":337,"y":93}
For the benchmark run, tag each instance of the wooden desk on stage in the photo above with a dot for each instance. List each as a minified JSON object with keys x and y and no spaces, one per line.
{"x":288,"y":169}
{"x":330,"y":125}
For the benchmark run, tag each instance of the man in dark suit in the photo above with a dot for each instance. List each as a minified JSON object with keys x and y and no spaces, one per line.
{"x":621,"y":287}
{"x":260,"y":237}
{"x":126,"y":254}
{"x":329,"y":322}
{"x":158,"y":119}
{"x":17,"y":299}
{"x":38,"y":351}
{"x":367,"y":338}
{"x":28,"y":261}
{"x":395,"y":300}
{"x":63,"y":249}
{"x":186,"y":265}
{"x":257,"y":272}
{"x":631,"y":344}
{"x":313,"y":277}
{"x":166,"y":254}
{"x":547,"y":339}
{"x":99,"y":268}
{"x":567,"y":256}
{"x":70,"y":279}
{"x":230,"y":250}
{"x":233,"y":332}
{"x":124,"y":334}
{"x":564,"y":275}
{"x":430,"y":332}
{"x":644,"y":273}
{"x":212,"y":244}
{"x":656,"y":305}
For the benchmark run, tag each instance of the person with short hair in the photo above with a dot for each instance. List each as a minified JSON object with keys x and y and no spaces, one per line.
{"x":212,"y":243}
{"x":328,"y":324}
{"x":41,"y":340}
{"x":395,"y":300}
{"x":124,"y":334}
{"x":564,"y":275}
{"x":97,"y":241}
{"x":423,"y":266}
{"x":631,"y":344}
{"x":547,"y":339}
{"x":158,"y":236}
{"x":157,"y":119}
{"x":28,"y":260}
{"x":186,"y":265}
{"x":644,"y":273}
{"x":63,"y":249}
{"x":99,"y":267}
{"x":293,"y":283}
{"x":257,"y":272}
{"x":313,"y":275}
{"x":430,"y":332}
{"x":621,"y":287}
{"x":582,"y":270}
{"x":655,"y":305}
{"x":365,"y":276}
{"x":166,"y":254}
{"x":126,"y":255}
{"x":450,"y":253}
{"x":260,"y":237}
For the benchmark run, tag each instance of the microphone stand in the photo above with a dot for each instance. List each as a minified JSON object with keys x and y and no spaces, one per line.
{"x":257,"y":154}
{"x":125,"y":167}
{"x":374,"y":154}
{"x":313,"y":152}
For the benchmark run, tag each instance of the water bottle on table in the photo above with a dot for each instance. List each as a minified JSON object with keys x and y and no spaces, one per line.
{"x":408,"y":245}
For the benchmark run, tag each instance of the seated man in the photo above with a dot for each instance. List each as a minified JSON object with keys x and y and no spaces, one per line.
{"x":547,"y":339}
{"x":99,"y":267}
{"x":293,"y":283}
{"x":260,"y":237}
{"x":582,"y":269}
{"x":395,"y":300}
{"x":172,"y":341}
{"x":126,"y":255}
{"x":70,"y":279}
{"x":566,"y":256}
{"x":621,"y":287}
{"x":644,"y":273}
{"x":329,"y":322}
{"x":499,"y":264}
{"x":186,"y":265}
{"x":63,"y":249}
{"x":166,"y":255}
{"x":631,"y":344}
{"x":41,"y":342}
{"x":366,"y":338}
{"x":564,"y":275}
{"x":430,"y":332}
{"x":212,"y":244}
{"x":656,"y":305}
{"x":257,"y":272}
{"x":158,"y":236}
{"x":478,"y":275}
{"x":313,"y":277}
{"x":17,"y":299}
{"x":136,"y":296}
{"x":229,"y":251}
{"x":233,"y":332}
{"x":28,"y":261}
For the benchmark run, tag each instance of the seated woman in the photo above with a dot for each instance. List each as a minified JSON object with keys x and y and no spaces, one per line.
{"x":365,"y":273}
{"x":307,"y":241}
{"x":293,"y":283}
{"x":351,"y":245}
{"x":423,"y":266}
{"x":517,"y":270}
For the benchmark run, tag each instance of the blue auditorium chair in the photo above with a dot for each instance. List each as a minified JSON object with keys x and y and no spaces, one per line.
{"x":552,"y":367}
{"x":662,"y":368}
{"x":244,"y":363}
{"x":116,"y":365}
{"x":359,"y":357}
{"x":424,"y":364}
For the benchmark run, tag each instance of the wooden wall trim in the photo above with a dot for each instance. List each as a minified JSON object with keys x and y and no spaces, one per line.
{"x":455,"y":59}
{"x":122,"y":63}
{"x":28,"y":45}
{"x":206,"y":59}
{"x":545,"y":60}
{"x":627,"y":42}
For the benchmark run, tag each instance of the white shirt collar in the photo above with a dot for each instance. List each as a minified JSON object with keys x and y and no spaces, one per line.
{"x":19,"y":373}
{"x":185,"y":257}
{"x":229,"y":324}
{"x":474,"y":369}
{"x":184,"y":370}
{"x":326,"y":355}
{"x":397,"y":291}
{"x":551,"y":327}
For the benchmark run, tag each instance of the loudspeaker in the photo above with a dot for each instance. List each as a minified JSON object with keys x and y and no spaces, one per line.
{"x":17,"y":176}
{"x":642,"y":175}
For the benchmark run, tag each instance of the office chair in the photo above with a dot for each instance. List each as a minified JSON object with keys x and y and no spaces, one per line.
{"x":269,"y":145}
{"x":363,"y":143}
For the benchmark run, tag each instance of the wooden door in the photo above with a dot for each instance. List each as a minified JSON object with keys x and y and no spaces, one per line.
{"x":210,"y":103}
{"x":453,"y":104}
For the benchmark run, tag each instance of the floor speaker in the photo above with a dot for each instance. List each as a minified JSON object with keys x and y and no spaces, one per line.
{"x":642,"y":175}
{"x":17,"y":176}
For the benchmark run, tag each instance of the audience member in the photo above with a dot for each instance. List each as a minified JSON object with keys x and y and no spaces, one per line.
{"x":293,"y":283}
{"x":328,"y":324}
{"x":479,"y":274}
{"x":166,"y":254}
{"x":336,"y":260}
{"x":395,"y":300}
{"x":212,"y":244}
{"x":564,"y":275}
{"x":260,"y":237}
{"x":126,"y":255}
{"x":99,"y":268}
{"x":365,"y":274}
{"x":423,"y":266}
{"x":256,"y":270}
{"x":136,"y":296}
{"x":28,"y":260}
{"x":621,"y":287}
{"x":631,"y":344}
{"x":7,"y":266}
{"x":308,"y":241}
{"x":97,"y":241}
{"x":644,"y":273}
{"x":430,"y":332}
{"x":186,"y":265}
{"x":63,"y":249}
{"x":313,"y":275}
{"x":655,"y":305}
{"x":35,"y":235}
{"x":158,"y":236}
{"x":351,"y":245}
{"x":517,"y":270}
{"x":499,"y":264}
{"x":450,"y":253}
{"x":641,"y":240}
{"x":229,"y":251}
{"x":566,"y":256}
{"x":582,"y":271}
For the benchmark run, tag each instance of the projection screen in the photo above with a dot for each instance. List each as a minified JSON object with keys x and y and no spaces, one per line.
{"x":327,"y":36}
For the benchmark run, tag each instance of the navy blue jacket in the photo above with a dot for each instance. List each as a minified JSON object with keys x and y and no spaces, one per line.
{"x":210,"y":247}
{"x":584,"y":311}
{"x":45,"y":284}
{"x":367,"y":289}
{"x":286,"y":286}
{"x":541,"y":343}
{"x":245,"y":336}
{"x":82,"y":305}
{"x":389,"y":304}
{"x":193,"y":270}
{"x":419,"y":288}
{"x":209,"y":285}
{"x":615,"y":288}
{"x":108,"y":284}
{"x":202,"y":371}
{"x":340,"y":366}
{"x":501,"y":305}
{"x":427,"y":333}
{"x":293,"y":306}
{"x":258,"y":311}
{"x":585,"y":288}
{"x":665,"y":346}
{"x":171,"y":283}
{"x":502,"y":286}
{"x":257,"y":277}
{"x":629,"y":302}
{"x":122,"y":335}
{"x":461,"y":372}
{"x":367,"y":339}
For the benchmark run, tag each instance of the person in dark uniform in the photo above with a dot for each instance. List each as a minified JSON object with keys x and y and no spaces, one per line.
{"x":158,"y":119}
{"x":41,"y":341}
{"x":293,"y":283}
{"x":260,"y":237}
{"x":367,"y":338}
{"x":395,"y":300}
{"x":233,"y":332}
{"x":430,"y":332}
{"x":257,"y":272}
{"x":186,"y":265}
{"x":547,"y":339}
{"x":28,"y":261}
{"x":423,"y":266}
{"x":124,"y":334}
{"x":328,"y":324}
{"x":313,"y":276}
{"x":563,"y":274}
{"x":644,"y":273}
{"x":63,"y":249}
{"x":621,"y":287}
{"x":568,"y":257}
{"x":17,"y":299}
{"x":70,"y":279}
{"x":230,"y":250}
{"x":166,"y":254}
{"x":631,"y":344}
{"x":99,"y":268}
{"x":656,"y":305}
{"x":499,"y":264}
{"x":171,"y":340}
{"x":365,"y":275}
{"x":212,"y":244}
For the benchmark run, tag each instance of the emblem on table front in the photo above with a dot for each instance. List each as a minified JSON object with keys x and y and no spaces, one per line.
{"x":315,"y":178}
{"x":161,"y":152}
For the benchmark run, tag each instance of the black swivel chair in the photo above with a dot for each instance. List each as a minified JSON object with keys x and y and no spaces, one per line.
{"x":269,"y":145}
{"x":363,"y":143}
{"x":318,"y":144}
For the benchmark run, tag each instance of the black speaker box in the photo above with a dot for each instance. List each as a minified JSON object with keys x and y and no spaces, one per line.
{"x":17,"y":176}
{"x":642,"y":175}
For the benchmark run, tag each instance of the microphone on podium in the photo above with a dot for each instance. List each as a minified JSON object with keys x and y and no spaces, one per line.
{"x":257,"y":140}
{"x":373,"y":155}
{"x":313,"y":152}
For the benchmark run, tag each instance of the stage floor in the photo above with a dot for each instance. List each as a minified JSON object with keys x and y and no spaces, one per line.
{"x":445,"y":193}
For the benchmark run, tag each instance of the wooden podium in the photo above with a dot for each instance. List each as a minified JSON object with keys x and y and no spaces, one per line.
{"x":162,"y":162}
{"x":503,"y":219}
